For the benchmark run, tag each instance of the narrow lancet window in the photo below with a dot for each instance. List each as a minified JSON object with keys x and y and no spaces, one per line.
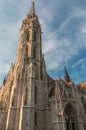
{"x":35,"y":119}
{"x":34,"y":37}
{"x":35,"y":94}
{"x":26,"y":36}
{"x":34,"y":53}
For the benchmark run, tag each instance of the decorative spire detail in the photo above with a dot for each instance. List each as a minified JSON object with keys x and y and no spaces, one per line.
{"x":32,"y":10}
{"x":65,"y":69}
{"x":66,"y":75}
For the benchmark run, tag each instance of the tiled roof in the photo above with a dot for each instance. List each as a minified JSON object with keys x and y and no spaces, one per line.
{"x":82,"y":85}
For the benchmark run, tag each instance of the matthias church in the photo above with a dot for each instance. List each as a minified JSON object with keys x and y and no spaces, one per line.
{"x":32,"y":100}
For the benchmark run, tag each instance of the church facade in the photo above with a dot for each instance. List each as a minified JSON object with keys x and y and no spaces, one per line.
{"x":29,"y":98}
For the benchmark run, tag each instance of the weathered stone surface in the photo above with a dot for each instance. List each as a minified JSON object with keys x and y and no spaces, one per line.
{"x":29,"y":98}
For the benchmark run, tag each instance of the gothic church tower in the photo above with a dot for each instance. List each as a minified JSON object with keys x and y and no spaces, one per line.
{"x":28,"y":98}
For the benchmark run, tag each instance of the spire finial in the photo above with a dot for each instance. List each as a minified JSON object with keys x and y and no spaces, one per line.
{"x":32,"y":10}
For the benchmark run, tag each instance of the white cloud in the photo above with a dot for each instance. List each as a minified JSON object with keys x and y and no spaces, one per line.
{"x":57,"y":52}
{"x":82,"y":35}
{"x":79,"y":62}
{"x":59,"y":49}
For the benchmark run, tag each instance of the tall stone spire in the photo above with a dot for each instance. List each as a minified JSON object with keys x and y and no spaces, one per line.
{"x":66,"y":75}
{"x":28,"y":80}
{"x":32,"y":9}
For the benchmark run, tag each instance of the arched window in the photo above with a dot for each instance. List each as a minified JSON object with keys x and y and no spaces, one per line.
{"x":34,"y":53}
{"x":26,"y":36}
{"x":34,"y":37}
{"x":13,"y":102}
{"x":36,"y":71}
{"x":27,"y":50}
{"x":35,"y":119}
{"x":71,"y":117}
{"x":35,"y":94}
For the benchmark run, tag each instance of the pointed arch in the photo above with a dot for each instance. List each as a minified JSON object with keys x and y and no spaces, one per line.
{"x":70,"y":115}
{"x":72,"y":106}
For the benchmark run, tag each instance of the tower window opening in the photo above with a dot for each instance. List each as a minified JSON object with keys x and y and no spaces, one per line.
{"x":34,"y":37}
{"x":25,"y":99}
{"x":26,"y":36}
{"x":34,"y":53}
{"x":35,"y":119}
{"x":35,"y":94}
{"x":13,"y":102}
{"x":27,"y":50}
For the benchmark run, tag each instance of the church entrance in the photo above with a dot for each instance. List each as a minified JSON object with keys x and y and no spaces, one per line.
{"x":70,"y":124}
{"x":70,"y":118}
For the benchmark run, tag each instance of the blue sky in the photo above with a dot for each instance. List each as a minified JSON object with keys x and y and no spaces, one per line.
{"x":64,"y":35}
